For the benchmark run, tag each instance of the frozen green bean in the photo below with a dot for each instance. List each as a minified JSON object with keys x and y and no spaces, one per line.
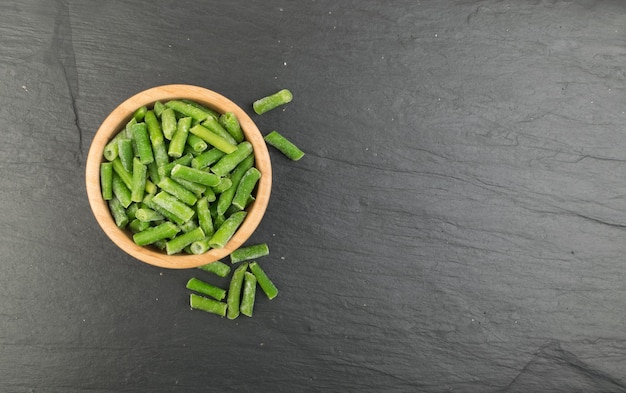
{"x":218,"y":268}
{"x":224,"y":184}
{"x":249,"y":252}
{"x":173,"y":205}
{"x":178,"y":191}
{"x":125,"y":153}
{"x":270,"y":102}
{"x":106,"y":180}
{"x":225,"y":199}
{"x":245,"y":187}
{"x":249,"y":293}
{"x":195,"y":175}
{"x":137,"y":225}
{"x":264,"y":282}
{"x":233,"y":299}
{"x":142,"y":141}
{"x":179,"y":140}
{"x":188,"y":109}
{"x":147,"y":200}
{"x":140,"y":176}
{"x":126,"y":176}
{"x":110,"y":151}
{"x":148,"y":215}
{"x":197,"y":144}
{"x":284,"y":145}
{"x":213,"y":125}
{"x":120,"y":191}
{"x":159,"y":108}
{"x":157,"y":139}
{"x":205,"y":288}
{"x":202,"y":303}
{"x":168,"y":123}
{"x":213,"y":139}
{"x":140,"y":113}
{"x":230,"y":122}
{"x":204,"y":216}
{"x":206,"y":158}
{"x":197,"y":189}
{"x":166,"y":170}
{"x":177,"y":244}
{"x":162,"y":231}
{"x":199,"y":247}
{"x":227,"y":163}
{"x":209,"y":111}
{"x":118,"y":212}
{"x":227,"y":229}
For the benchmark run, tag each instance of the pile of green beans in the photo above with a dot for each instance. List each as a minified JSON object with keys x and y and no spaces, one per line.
{"x":179,"y":176}
{"x":240,"y":296}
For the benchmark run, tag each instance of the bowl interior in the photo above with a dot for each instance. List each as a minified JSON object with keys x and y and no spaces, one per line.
{"x":118,"y":118}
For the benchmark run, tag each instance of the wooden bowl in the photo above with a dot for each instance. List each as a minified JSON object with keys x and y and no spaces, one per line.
{"x":118,"y":119}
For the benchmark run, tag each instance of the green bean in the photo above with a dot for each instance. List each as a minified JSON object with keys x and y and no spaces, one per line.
{"x":227,"y":163}
{"x":168,"y":123}
{"x":153,"y":172}
{"x":205,"y":304}
{"x":197,"y":189}
{"x":138,"y":185}
{"x":131,"y":211}
{"x":195,"y":175}
{"x":118,"y":169}
{"x":214,"y":126}
{"x":213,"y":139}
{"x":151,"y":188}
{"x":177,"y":244}
{"x":264,"y":282}
{"x":249,"y":293}
{"x":197,"y":144}
{"x":249,"y":252}
{"x":178,"y":191}
{"x":128,"y":129}
{"x":205,"y":288}
{"x":209,"y":111}
{"x":156,"y":138}
{"x":159,"y":108}
{"x":233,"y":299}
{"x":227,"y":229}
{"x":137,"y":225}
{"x":120,"y":191}
{"x":206,"y":158}
{"x":225,"y":199}
{"x":125,"y":153}
{"x":188,"y":226}
{"x":245,"y":187}
{"x":142,"y":140}
{"x":170,"y":203}
{"x":229,"y":121}
{"x":147,"y":200}
{"x":224,"y":184}
{"x":166,"y":170}
{"x":218,"y":268}
{"x":199,"y":247}
{"x":284,"y":145}
{"x":187,"y":109}
{"x":110,"y":151}
{"x":179,"y":139}
{"x":140,"y":113}
{"x":118,"y":212}
{"x":106,"y":180}
{"x":148,"y":215}
{"x":162,"y":231}
{"x":272,"y":101}
{"x":204,"y":216}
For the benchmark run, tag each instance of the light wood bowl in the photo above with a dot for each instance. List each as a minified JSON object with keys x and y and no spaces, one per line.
{"x":118,"y":119}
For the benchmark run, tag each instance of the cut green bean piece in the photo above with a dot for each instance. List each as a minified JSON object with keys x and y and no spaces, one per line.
{"x":128,"y":129}
{"x":151,"y":235}
{"x":131,"y":210}
{"x":125,"y":152}
{"x":224,"y":184}
{"x":140,"y":176}
{"x":106,"y":180}
{"x":197,"y":189}
{"x":245,"y":187}
{"x":202,"y":303}
{"x":147,"y":200}
{"x":157,"y":139}
{"x":218,"y":268}
{"x":178,"y":191}
{"x":137,"y":225}
{"x":200,"y":247}
{"x":126,"y":176}
{"x":272,"y":101}
{"x":195,"y":175}
{"x":166,"y":170}
{"x":210,"y":111}
{"x":264,"y":282}
{"x":153,"y":172}
{"x":227,"y":229}
{"x":227,"y":163}
{"x":230,"y":122}
{"x":187,"y":109}
{"x":207,"y":158}
{"x":249,"y":293}
{"x":110,"y":149}
{"x":283,"y":145}
{"x":197,"y":144}
{"x":142,"y":141}
{"x":189,"y":226}
{"x":173,"y":205}
{"x":204,"y":216}
{"x":205,"y":288}
{"x":213,"y":139}
{"x":159,"y":108}
{"x":213,"y":125}
{"x":151,"y":188}
{"x":118,"y":212}
{"x":148,"y":215}
{"x":168,"y":123}
{"x":121,"y":192}
{"x":179,"y":140}
{"x":249,"y":252}
{"x":140,"y":113}
{"x":225,"y":199}
{"x":233,"y":300}
{"x":177,"y":244}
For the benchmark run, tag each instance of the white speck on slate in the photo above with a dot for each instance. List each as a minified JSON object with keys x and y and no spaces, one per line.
{"x":283,"y":258}
{"x":280,"y":9}
{"x":285,"y":63}
{"x":436,"y":35}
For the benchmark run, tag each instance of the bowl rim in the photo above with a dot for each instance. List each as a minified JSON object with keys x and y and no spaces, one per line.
{"x":114,"y":122}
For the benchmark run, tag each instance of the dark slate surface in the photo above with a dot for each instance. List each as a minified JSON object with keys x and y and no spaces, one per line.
{"x":458,"y":223}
